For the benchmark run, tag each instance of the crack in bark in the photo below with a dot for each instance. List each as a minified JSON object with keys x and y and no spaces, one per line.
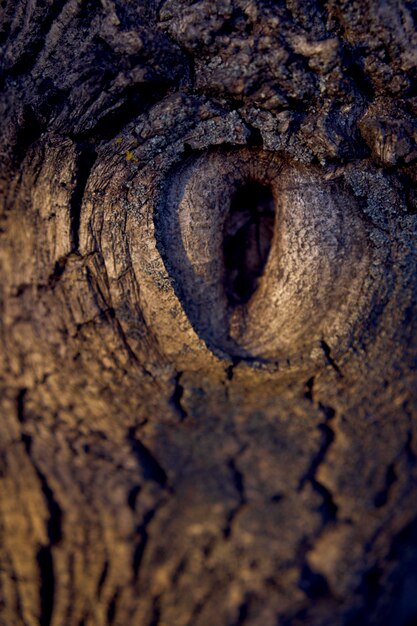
{"x":382,"y":496}
{"x":391,"y":477}
{"x":156,"y":612}
{"x":46,"y":585}
{"x":29,"y":133}
{"x":45,"y":555}
{"x":199,"y":608}
{"x":230,"y":371}
{"x":20,"y":405}
{"x":54,"y":525}
{"x":177,"y":397}
{"x":111,"y":609}
{"x":313,"y":584}
{"x":328,"y":354}
{"x":412,"y":460}
{"x":128,"y":105}
{"x":328,"y":508}
{"x":102,"y":578}
{"x":31,"y":53}
{"x":309,"y":389}
{"x":151,"y":470}
{"x":239,"y":484}
{"x":150,"y":466}
{"x":85,"y":161}
{"x":59,"y":270}
{"x":411,"y":457}
{"x":142,"y":532}
{"x":242,"y":613}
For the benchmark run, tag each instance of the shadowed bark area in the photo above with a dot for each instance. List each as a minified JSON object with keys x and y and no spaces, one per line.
{"x":208,"y":313}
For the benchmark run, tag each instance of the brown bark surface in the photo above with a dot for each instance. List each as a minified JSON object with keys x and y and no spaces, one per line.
{"x":208,"y":302}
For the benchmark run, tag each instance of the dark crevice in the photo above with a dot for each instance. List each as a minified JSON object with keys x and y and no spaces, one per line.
{"x":102,"y":579}
{"x":238,"y":481}
{"x":230,"y":371}
{"x":180,"y":569}
{"x":99,"y":297}
{"x":234,"y":104}
{"x":309,"y":389}
{"x":111,"y":609}
{"x":55,"y":514}
{"x":29,"y":132}
{"x":28,"y":59}
{"x":156,"y":613}
{"x":356,"y":72}
{"x":124,"y":339}
{"x":327,"y":440}
{"x":132,"y":497}
{"x":151,"y":469}
{"x":133,"y":102}
{"x":198,"y":609}
{"x":243,"y":613}
{"x":248,"y":233}
{"x":177,"y":397}
{"x":255,"y":137}
{"x":409,"y":191}
{"x":295,"y":105}
{"x":328,"y":354}
{"x":328,"y":508}
{"x":371,"y":581}
{"x":47,"y":585}
{"x":313,"y":584}
{"x":20,"y":401}
{"x":44,"y":556}
{"x":187,"y":149}
{"x":59,"y":270}
{"x":142,"y":533}
{"x":328,"y":411}
{"x":398,"y":575}
{"x":237,"y":22}
{"x":381,"y":498}
{"x":391,"y":476}
{"x":411,"y":457}
{"x":85,"y":161}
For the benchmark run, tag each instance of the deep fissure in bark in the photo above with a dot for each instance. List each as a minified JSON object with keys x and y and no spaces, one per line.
{"x":86,"y":159}
{"x":328,"y":507}
{"x":177,"y":395}
{"x":141,"y":545}
{"x":313,"y":584}
{"x":149,"y":465}
{"x":238,"y":480}
{"x":248,"y":235}
{"x":47,"y":585}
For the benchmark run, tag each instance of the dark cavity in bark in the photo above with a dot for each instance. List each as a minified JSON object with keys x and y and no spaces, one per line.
{"x":247,"y":240}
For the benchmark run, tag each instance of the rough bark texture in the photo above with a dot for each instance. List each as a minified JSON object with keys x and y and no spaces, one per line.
{"x":176,"y":449}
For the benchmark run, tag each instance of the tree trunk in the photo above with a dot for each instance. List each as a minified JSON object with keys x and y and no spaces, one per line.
{"x":208,"y":313}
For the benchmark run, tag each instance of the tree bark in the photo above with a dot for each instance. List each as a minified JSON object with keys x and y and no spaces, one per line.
{"x":208,"y":313}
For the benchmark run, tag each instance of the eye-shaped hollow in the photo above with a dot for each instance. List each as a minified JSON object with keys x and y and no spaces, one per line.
{"x":248,"y":232}
{"x":268,"y":258}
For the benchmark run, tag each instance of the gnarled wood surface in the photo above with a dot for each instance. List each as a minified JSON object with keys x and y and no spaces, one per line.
{"x":170,"y":454}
